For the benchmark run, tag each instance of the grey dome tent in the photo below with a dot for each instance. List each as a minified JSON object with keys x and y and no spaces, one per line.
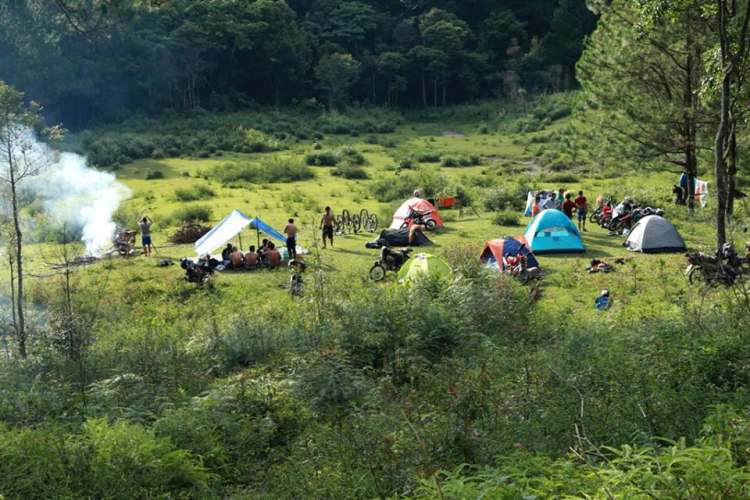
{"x":654,"y":234}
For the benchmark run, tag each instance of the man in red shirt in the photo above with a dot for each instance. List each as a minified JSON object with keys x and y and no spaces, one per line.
{"x":568,"y":206}
{"x":582,"y":206}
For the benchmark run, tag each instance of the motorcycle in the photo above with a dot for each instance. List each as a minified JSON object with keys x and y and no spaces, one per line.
{"x":390,"y":260}
{"x":518,"y":267}
{"x":196,"y":273}
{"x":596,"y":215}
{"x":712,"y":269}
{"x":420,"y":219}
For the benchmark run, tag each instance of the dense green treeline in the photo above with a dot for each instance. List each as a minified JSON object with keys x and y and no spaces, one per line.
{"x":224,"y":54}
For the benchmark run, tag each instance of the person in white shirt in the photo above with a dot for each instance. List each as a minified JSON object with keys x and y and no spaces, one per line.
{"x":551,"y":203}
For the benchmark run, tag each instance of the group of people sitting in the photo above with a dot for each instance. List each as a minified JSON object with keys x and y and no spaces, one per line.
{"x":267,"y":255}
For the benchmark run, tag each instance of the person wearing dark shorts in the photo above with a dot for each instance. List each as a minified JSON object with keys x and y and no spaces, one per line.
{"x":290,"y":230}
{"x":326,"y":224}
{"x":145,"y":223}
{"x":582,"y":206}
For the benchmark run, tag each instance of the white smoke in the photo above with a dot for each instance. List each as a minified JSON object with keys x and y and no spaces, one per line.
{"x":78,"y":196}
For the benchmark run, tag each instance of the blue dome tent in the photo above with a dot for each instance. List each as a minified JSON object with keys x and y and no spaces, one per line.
{"x":553,"y":232}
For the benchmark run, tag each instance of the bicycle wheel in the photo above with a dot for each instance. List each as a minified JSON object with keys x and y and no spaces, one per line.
{"x":347,"y":218}
{"x":593,"y":217}
{"x":373,"y":223}
{"x":356,"y":223}
{"x":377,"y":272}
{"x":363,"y":215}
{"x":430,"y":224}
{"x":405,"y":225}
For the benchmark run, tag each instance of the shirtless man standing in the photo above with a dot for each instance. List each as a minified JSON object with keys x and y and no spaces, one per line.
{"x":326,"y":224}
{"x":290,"y":230}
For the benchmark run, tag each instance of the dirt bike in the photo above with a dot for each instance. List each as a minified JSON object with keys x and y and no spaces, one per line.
{"x":420,"y":219}
{"x":390,"y":260}
{"x":710,"y":269}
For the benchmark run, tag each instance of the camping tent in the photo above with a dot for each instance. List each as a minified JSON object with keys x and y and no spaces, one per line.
{"x":551,"y":231}
{"x":230,"y":227}
{"x":494,"y":251}
{"x":400,"y":238}
{"x":417,"y":204}
{"x":423,"y":263}
{"x":654,"y":234}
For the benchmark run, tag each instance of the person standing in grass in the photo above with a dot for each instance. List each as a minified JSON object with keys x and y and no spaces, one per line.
{"x":290,"y":230}
{"x":568,"y":206}
{"x":552,"y":202}
{"x":144,"y":223}
{"x":582,"y":207}
{"x":535,"y":208}
{"x":326,"y":224}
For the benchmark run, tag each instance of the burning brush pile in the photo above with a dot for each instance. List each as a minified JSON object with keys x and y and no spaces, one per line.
{"x":189,"y":232}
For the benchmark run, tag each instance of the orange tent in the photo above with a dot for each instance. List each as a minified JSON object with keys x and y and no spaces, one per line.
{"x":494,"y":251}
{"x":415,"y":204}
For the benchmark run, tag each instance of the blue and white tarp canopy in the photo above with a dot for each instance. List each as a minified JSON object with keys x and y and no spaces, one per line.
{"x":230,"y":227}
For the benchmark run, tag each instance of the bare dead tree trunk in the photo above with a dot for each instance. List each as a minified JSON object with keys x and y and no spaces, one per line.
{"x":20,"y":324}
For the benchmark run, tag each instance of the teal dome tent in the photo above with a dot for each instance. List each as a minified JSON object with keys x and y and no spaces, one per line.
{"x":553,"y":232}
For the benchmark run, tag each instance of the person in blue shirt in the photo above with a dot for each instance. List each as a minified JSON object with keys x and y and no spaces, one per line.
{"x":603,"y":301}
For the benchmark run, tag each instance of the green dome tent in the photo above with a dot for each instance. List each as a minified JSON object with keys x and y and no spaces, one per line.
{"x":423,"y":263}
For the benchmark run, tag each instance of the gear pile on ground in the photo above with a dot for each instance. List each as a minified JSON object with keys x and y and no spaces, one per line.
{"x":189,"y":232}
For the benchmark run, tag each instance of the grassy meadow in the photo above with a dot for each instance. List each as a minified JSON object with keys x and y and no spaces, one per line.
{"x":507,"y":160}
{"x":361,"y":389}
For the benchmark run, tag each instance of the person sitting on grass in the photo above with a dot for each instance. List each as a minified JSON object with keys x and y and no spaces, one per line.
{"x":415,"y":228}
{"x":603,"y":301}
{"x":272,"y":257}
{"x":236,"y":259}
{"x":251,"y":258}
{"x":226,"y":253}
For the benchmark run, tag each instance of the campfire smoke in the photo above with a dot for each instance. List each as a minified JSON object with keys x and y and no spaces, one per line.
{"x":82,"y":198}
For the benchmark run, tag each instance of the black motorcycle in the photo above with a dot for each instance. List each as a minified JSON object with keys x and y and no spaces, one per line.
{"x":196,"y":273}
{"x":390,"y":260}
{"x":420,"y":219}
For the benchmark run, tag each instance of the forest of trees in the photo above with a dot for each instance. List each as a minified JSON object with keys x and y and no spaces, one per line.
{"x":86,"y":63}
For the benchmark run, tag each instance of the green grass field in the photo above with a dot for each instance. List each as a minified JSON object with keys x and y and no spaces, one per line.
{"x":637,"y":287}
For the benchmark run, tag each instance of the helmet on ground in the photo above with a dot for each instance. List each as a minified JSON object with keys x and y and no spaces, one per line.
{"x":605,"y":293}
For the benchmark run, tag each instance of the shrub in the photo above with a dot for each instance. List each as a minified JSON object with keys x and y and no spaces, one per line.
{"x":507,"y":217}
{"x":449,"y":161}
{"x":331,"y":158}
{"x":155,"y":174}
{"x":196,"y":213}
{"x":428,"y":156}
{"x":348,"y":170}
{"x":273,"y":170}
{"x":497,"y":199}
{"x":194,"y":193}
{"x":562,"y":177}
